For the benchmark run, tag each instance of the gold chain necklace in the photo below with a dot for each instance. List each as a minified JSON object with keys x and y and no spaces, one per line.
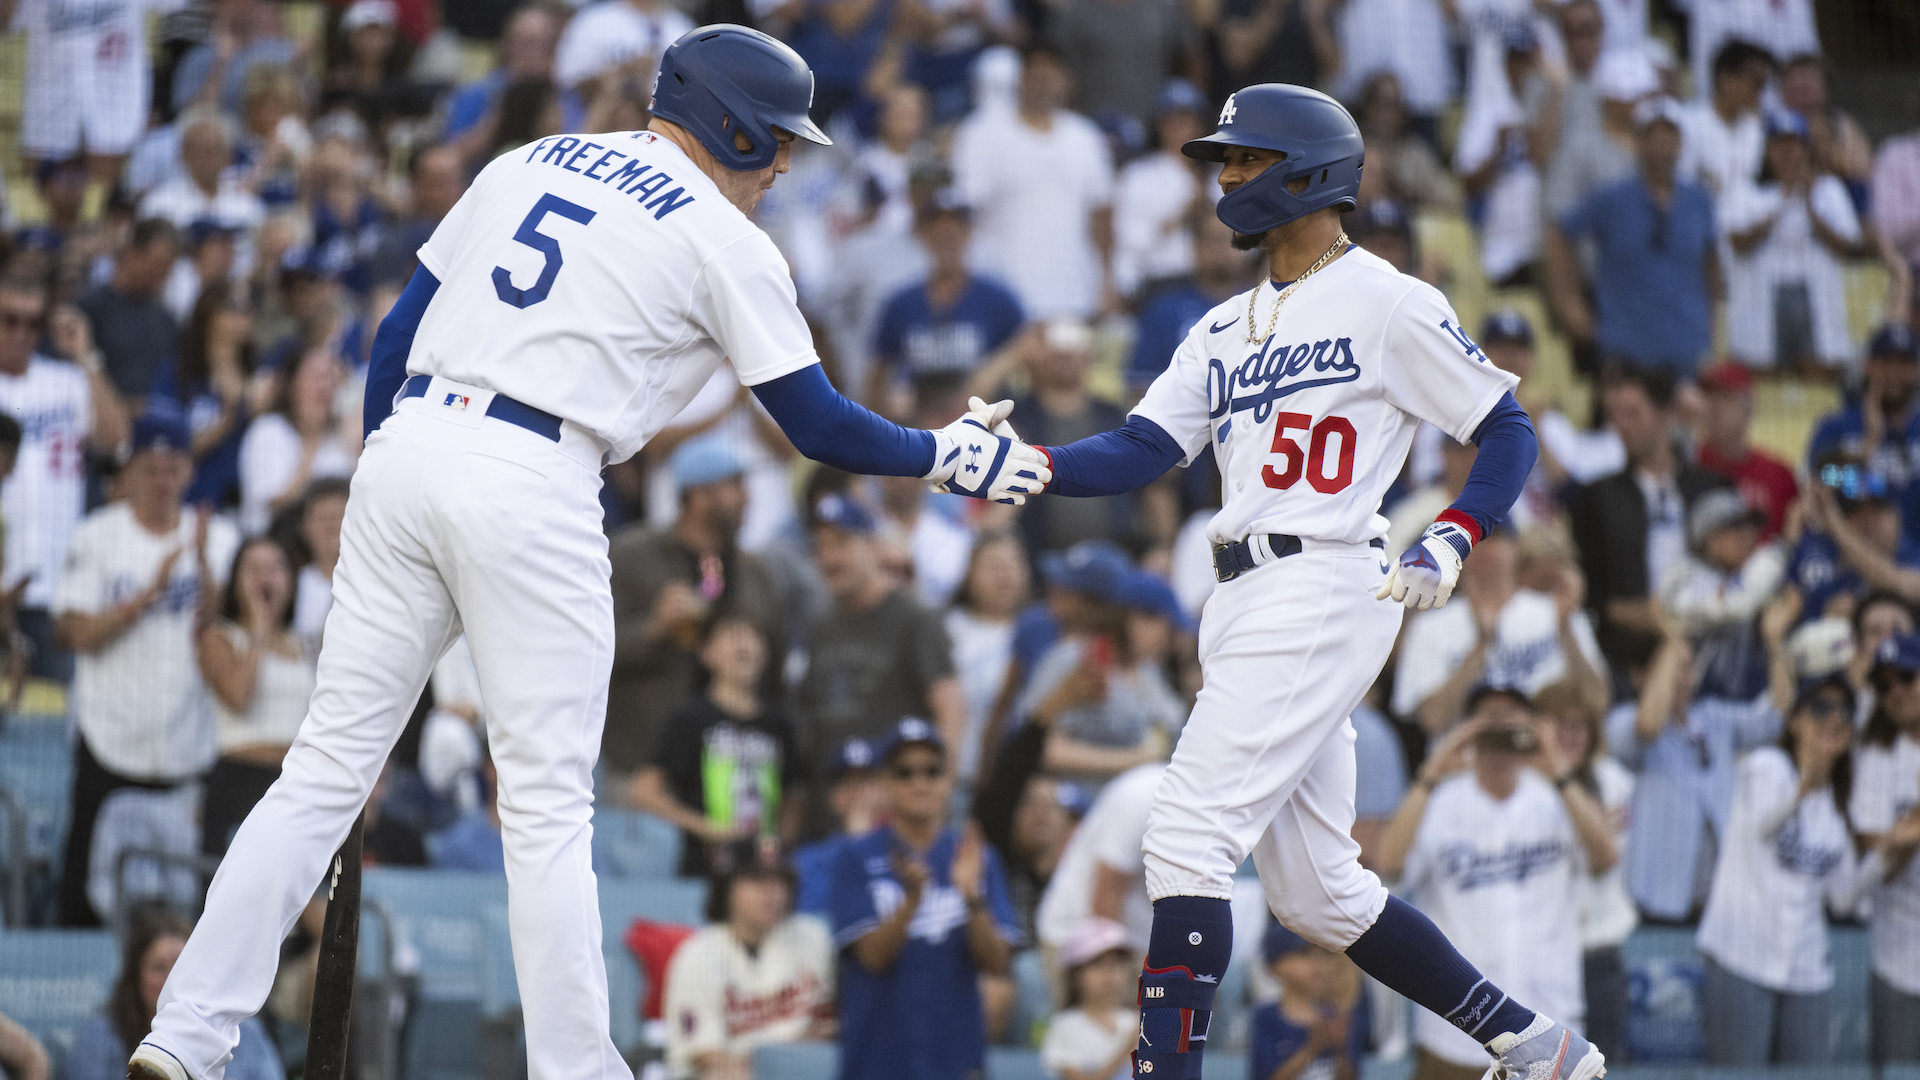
{"x":1253,"y":297}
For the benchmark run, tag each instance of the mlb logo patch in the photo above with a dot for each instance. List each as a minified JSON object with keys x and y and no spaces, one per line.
{"x":456,"y":402}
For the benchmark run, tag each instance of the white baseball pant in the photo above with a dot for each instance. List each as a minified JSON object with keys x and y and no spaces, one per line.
{"x":1265,"y":764}
{"x":455,"y":521}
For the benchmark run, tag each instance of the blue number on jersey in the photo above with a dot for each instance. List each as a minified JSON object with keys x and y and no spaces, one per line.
{"x":529,"y":234}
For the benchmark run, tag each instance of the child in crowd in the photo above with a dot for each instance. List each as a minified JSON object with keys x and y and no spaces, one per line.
{"x":1318,"y":1028}
{"x":1093,"y":1037}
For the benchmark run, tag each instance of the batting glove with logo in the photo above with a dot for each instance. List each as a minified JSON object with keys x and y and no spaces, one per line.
{"x":1427,"y":572}
{"x":979,"y":456}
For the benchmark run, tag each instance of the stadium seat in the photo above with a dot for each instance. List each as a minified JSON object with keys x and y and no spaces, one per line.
{"x":441,"y":922}
{"x":51,"y":980}
{"x":1032,"y":998}
{"x":796,"y":1061}
{"x":632,"y":844}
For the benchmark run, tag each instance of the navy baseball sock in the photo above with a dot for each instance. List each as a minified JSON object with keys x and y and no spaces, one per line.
{"x":1407,"y":953}
{"x":1186,"y":956}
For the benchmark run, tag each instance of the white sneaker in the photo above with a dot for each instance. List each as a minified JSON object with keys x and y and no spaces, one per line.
{"x":1545,"y":1051}
{"x":149,"y":1062}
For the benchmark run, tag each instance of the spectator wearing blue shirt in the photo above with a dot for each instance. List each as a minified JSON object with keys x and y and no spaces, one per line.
{"x":1853,"y":542}
{"x":920,"y":912}
{"x":473,"y":842}
{"x":1656,"y":266}
{"x":105,"y":1039}
{"x":856,"y":800}
{"x":935,"y":334}
{"x":1218,"y":272}
{"x":1318,"y":1028}
{"x":1882,"y":425}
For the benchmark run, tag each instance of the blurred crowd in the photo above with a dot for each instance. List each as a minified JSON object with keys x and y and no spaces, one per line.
{"x":912,"y":739}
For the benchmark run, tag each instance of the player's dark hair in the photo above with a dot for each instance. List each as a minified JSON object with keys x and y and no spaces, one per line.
{"x":1735,"y":55}
{"x":125,"y":1011}
{"x":150,"y":231}
{"x":216,"y":296}
{"x":230,"y":600}
{"x":9,"y":432}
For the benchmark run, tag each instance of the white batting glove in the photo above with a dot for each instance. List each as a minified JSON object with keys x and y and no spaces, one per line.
{"x":1427,"y":572}
{"x":992,"y":417}
{"x":973,"y":460}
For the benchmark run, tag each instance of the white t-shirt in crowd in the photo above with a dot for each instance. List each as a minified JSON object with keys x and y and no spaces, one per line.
{"x":139,"y":700}
{"x":1075,"y":1040}
{"x":1501,"y":879}
{"x":982,"y":649}
{"x":1782,"y":859}
{"x":182,"y":202}
{"x":1152,"y":203}
{"x":1790,"y":254}
{"x":1721,"y":157}
{"x":1607,"y":913}
{"x":719,"y":996}
{"x":1526,"y":648}
{"x":1407,"y":37}
{"x":1784,"y":28}
{"x":280,"y":694}
{"x":46,"y":493}
{"x":939,"y":544}
{"x":312,"y":599}
{"x":1033,"y":195}
{"x":1111,"y":833}
{"x":270,"y":458}
{"x":603,"y":36}
{"x":1886,"y":786}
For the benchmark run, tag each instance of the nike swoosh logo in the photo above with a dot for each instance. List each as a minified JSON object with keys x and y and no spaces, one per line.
{"x":1223,"y":326}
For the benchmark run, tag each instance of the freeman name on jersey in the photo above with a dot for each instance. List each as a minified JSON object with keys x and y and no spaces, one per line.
{"x":643,"y":182}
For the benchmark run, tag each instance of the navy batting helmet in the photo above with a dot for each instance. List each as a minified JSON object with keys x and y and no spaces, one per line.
{"x":723,"y":79}
{"x":1321,"y":142}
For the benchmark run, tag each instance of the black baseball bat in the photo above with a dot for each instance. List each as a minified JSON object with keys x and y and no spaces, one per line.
{"x":332,"y":1016}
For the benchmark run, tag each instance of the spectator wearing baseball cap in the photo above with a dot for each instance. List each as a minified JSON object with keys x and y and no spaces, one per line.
{"x":1320,"y":1023}
{"x":876,"y":654}
{"x":1853,"y":543}
{"x":919,"y":913}
{"x":1654,"y":243}
{"x":666,"y":584}
{"x":1093,"y":1037}
{"x":1790,"y":235}
{"x":139,"y":573}
{"x":1716,"y":593}
{"x":857,"y":800}
{"x":1882,"y":424}
{"x":1885,"y":808}
{"x":1080,"y":585}
{"x":1726,"y":446}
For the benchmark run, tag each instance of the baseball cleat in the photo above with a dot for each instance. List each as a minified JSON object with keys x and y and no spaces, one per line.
{"x":149,"y":1062}
{"x":1545,"y":1051}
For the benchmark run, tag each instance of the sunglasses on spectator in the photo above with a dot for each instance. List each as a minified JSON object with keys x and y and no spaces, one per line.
{"x":922,"y":772}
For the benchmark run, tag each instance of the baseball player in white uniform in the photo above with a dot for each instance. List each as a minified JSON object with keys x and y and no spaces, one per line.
{"x":1309,"y":388}
{"x":567,"y":307}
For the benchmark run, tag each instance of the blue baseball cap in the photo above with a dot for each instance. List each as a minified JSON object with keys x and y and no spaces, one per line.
{"x":1094,"y":567}
{"x":704,"y":461}
{"x":1786,"y":122}
{"x":1901,"y":652}
{"x":845,"y":513}
{"x":855,"y":755}
{"x":1506,"y":325}
{"x":912,"y":731}
{"x":1148,"y":592}
{"x":1179,"y":95}
{"x":1894,"y":339}
{"x":160,"y":431}
{"x":1280,"y":941}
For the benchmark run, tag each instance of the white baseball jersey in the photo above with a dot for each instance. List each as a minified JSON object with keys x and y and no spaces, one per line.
{"x":720,"y":996}
{"x":1886,"y":786}
{"x":47,"y":491}
{"x":88,"y":75}
{"x":1311,"y":424}
{"x":603,"y":279}
{"x":1110,"y":834}
{"x":1501,"y":879}
{"x":139,"y":699}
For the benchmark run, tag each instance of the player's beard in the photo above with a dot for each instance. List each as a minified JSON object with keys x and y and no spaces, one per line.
{"x":1249,"y":241}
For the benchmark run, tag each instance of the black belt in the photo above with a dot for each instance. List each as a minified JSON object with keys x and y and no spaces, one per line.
{"x":502,"y":407}
{"x":1232,"y":560}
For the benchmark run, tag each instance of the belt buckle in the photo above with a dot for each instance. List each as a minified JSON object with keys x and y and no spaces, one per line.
{"x":1227,"y":564}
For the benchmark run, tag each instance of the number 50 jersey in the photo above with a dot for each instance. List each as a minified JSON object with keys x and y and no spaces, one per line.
{"x":604,"y":278}
{"x":1311,"y":424}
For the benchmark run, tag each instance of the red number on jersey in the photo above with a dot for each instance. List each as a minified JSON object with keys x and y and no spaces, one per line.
{"x":1312,"y":461}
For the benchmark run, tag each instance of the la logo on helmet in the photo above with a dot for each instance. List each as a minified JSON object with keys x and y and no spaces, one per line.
{"x":1227,"y":110}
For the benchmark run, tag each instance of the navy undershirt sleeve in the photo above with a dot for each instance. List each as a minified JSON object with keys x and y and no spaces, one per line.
{"x":387,"y":368}
{"x":1508,"y":448}
{"x":1116,"y":461}
{"x":831,"y":429}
